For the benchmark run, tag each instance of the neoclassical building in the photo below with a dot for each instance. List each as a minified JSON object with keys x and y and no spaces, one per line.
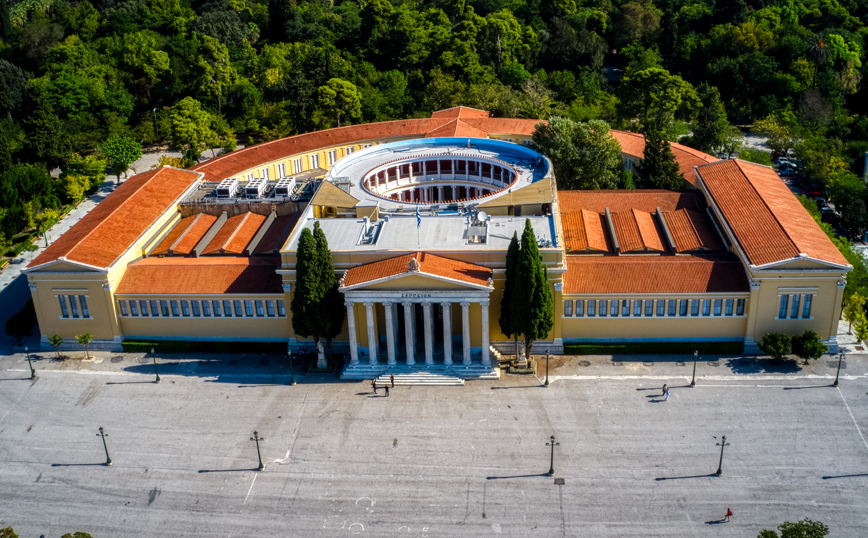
{"x":419,"y":214}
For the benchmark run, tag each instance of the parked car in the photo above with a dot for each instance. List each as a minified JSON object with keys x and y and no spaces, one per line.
{"x":821,"y":203}
{"x":17,"y":260}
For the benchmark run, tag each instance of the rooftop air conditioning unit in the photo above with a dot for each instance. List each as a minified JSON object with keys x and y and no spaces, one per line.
{"x":227,"y":188}
{"x":284,"y":186}
{"x":255,"y":188}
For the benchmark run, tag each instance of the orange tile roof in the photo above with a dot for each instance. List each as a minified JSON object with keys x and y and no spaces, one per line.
{"x":429,"y":264}
{"x":625,"y":200}
{"x":460,"y":112}
{"x":636,"y":231}
{"x":653,"y":274}
{"x":504,"y":125}
{"x":237,"y":226}
{"x":768,"y":221}
{"x":194,"y":234}
{"x":583,"y":230}
{"x":108,"y":230}
{"x":172,"y":236}
{"x":277,"y":233}
{"x":691,"y":230}
{"x":456,"y":127}
{"x":687,"y":158}
{"x":193,"y":276}
{"x":244,"y":233}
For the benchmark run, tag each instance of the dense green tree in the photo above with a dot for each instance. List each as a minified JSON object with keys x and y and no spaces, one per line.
{"x":331,"y":311}
{"x":508,"y":325}
{"x":711,"y":125}
{"x":659,"y":167}
{"x":76,"y":534}
{"x":192,"y":128}
{"x":46,"y":140}
{"x":805,"y":528}
{"x":534,"y":312}
{"x":808,"y":345}
{"x":653,"y":97}
{"x":339,"y":97}
{"x":775,"y":345}
{"x":7,"y":532}
{"x":13,"y":87}
{"x":121,"y":152}
{"x":585,"y":155}
{"x":756,"y":156}
{"x":5,"y":153}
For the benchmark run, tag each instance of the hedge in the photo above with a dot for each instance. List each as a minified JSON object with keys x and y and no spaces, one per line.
{"x":654,"y":348}
{"x":186,"y":346}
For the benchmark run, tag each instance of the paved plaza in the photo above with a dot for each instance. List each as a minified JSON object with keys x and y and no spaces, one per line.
{"x":430,"y":461}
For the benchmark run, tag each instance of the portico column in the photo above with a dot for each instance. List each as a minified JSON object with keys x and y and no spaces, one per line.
{"x":465,"y":332}
{"x":429,"y":334}
{"x":351,"y":328}
{"x":440,"y":193}
{"x":486,"y":356}
{"x":447,"y":333}
{"x":372,"y":334}
{"x":390,"y":334}
{"x":408,"y":333}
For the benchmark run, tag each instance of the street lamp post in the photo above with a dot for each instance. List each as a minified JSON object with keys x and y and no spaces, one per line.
{"x":258,"y":453}
{"x":103,"y":434}
{"x":721,"y":444}
{"x":291,"y":370}
{"x":838,"y":373}
{"x":693,"y":381}
{"x":547,"y":369}
{"x":33,"y":372}
{"x":552,"y":465}
{"x":156,"y":133}
{"x":154,"y":355}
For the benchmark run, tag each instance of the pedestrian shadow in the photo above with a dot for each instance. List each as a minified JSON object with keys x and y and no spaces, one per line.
{"x":516,"y":476}
{"x":715,"y":522}
{"x":662,"y":478}
{"x":845,"y":476}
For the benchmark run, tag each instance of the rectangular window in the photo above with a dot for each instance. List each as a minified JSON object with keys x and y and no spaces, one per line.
{"x":74,"y":305}
{"x":281,"y":170}
{"x":603,"y":306}
{"x":625,"y":307}
{"x":794,"y":309}
{"x":155,"y":309}
{"x":613,"y":307}
{"x":238,"y":312}
{"x":314,"y":161}
{"x":134,"y":307}
{"x":706,"y":307}
{"x":729,"y":307}
{"x":249,"y":177}
{"x":718,"y":305}
{"x":592,"y":308}
{"x":196,"y":312}
{"x":782,"y":311}
{"x":248,"y":309}
{"x":673,"y":305}
{"x":366,"y":145}
{"x":144,"y":305}
{"x":269,"y":305}
{"x":580,"y":308}
{"x":175,"y":309}
{"x":281,"y":309}
{"x":216,"y":305}
{"x":296,"y":166}
{"x":568,"y":308}
{"x":259,"y":311}
{"x":185,"y":308}
{"x":206,"y":309}
{"x":637,"y":308}
{"x":739,"y":307}
{"x":63,"y":311}
{"x":124,"y":309}
{"x":649,"y":308}
{"x":264,"y":172}
{"x":806,"y":307}
{"x":683,"y":310}
{"x":333,"y":156}
{"x":694,"y":307}
{"x":349,"y":150}
{"x":227,"y":309}
{"x":85,"y":313}
{"x":661,"y":307}
{"x":164,"y":307}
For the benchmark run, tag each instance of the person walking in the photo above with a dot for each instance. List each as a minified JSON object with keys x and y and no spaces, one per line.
{"x":392,"y":379}
{"x":387,"y":390}
{"x":666,"y":396}
{"x":664,"y":390}
{"x":728,"y":515}
{"x":374,"y":384}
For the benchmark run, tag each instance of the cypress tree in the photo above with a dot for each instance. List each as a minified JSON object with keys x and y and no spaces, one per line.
{"x":533,"y":297}
{"x":507,"y":323}
{"x":47,"y":141}
{"x":711,"y":125}
{"x":659,"y":167}
{"x":330,"y":315}
{"x":308,"y":288}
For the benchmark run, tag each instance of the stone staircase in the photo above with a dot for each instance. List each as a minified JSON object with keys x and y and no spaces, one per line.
{"x":433,"y":379}
{"x":422,"y":374}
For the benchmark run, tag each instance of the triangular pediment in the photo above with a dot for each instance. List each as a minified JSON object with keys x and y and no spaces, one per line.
{"x":413,"y":282}
{"x":63,"y":265}
{"x":417,"y":270}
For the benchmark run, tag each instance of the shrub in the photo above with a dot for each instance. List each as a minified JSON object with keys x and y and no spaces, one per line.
{"x":776,"y":345}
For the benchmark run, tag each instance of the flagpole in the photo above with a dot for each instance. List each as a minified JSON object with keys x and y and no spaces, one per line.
{"x":418,"y":232}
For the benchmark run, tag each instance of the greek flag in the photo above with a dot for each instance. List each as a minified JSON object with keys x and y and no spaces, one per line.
{"x":418,"y":218}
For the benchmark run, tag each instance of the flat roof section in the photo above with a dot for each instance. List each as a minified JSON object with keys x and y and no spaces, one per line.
{"x":197,"y":276}
{"x":648,"y":275}
{"x":770,"y":224}
{"x":691,"y":231}
{"x":625,"y":200}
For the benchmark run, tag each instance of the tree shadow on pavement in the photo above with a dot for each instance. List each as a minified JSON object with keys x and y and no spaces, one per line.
{"x":744,"y":365}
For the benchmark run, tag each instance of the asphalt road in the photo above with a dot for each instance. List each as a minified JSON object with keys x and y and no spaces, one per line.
{"x":425,"y":462}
